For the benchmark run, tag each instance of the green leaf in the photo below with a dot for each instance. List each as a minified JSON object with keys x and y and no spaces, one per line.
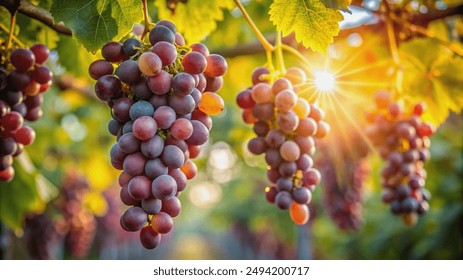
{"x":96,"y":22}
{"x":313,"y":24}
{"x":74,"y":58}
{"x":28,"y":192}
{"x":195,"y":19}
{"x":432,"y":74}
{"x":342,"y":5}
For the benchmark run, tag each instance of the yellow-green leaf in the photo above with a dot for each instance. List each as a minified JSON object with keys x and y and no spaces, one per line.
{"x":313,"y":24}
{"x":342,"y":5}
{"x":96,"y":22}
{"x":48,"y":37}
{"x":195,"y":19}
{"x":432,"y":74}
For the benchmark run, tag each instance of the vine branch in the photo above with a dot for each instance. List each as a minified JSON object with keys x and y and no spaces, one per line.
{"x":146,"y":18}
{"x":42,"y":15}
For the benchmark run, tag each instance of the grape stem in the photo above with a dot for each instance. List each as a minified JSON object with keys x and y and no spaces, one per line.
{"x":298,"y":55}
{"x":267,"y":46}
{"x":11,"y":31}
{"x":423,"y":31}
{"x":279,"y":53}
{"x":16,"y":40}
{"x":146,"y":18}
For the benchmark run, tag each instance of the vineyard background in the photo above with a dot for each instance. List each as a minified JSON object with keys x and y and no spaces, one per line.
{"x":224,"y":213}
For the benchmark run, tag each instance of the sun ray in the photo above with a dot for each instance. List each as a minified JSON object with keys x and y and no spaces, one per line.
{"x":378,"y":64}
{"x":363,"y":83}
{"x":358,"y":129}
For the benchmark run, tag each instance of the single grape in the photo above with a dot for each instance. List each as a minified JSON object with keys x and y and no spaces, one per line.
{"x":131,"y":46}
{"x":167,"y":24}
{"x":149,"y":238}
{"x":172,"y":156}
{"x":139,"y":187}
{"x":121,"y":109}
{"x":262,"y":93}
{"x":160,"y":83}
{"x":24,"y":135}
{"x":211,"y":103}
{"x":40,"y":52}
{"x":284,"y":184}
{"x":41,"y":75}
{"x":141,"y":108}
{"x":201,"y":48}
{"x":214,"y":84}
{"x":172,"y":207}
{"x":134,"y":164}
{"x":280,"y":85}
{"x":11,"y":121}
{"x":153,"y":147}
{"x":134,"y":219}
{"x":164,"y":187}
{"x":182,"y":105}
{"x":258,"y":75}
{"x":290,"y":151}
{"x":128,"y":72}
{"x":161,"y":33}
{"x":166,"y":52}
{"x":22,"y":59}
{"x":113,"y":52}
{"x":194,"y":63}
{"x":299,"y":213}
{"x":164,"y":117}
{"x":283,"y":200}
{"x":216,"y":65}
{"x":183,"y":84}
{"x":285,"y":100}
{"x":108,"y":87}
{"x":162,"y":223}
{"x":149,"y":64}
{"x":245,"y":100}
{"x":129,"y":143}
{"x":99,"y":68}
{"x":302,"y":195}
{"x":151,"y":205}
{"x":200,"y":134}
{"x":296,"y":75}
{"x":18,"y":80}
{"x":144,"y":128}
{"x":181,"y":129}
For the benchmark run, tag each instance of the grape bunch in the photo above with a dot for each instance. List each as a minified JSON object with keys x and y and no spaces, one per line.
{"x":41,"y":236}
{"x":77,"y":223}
{"x":343,"y":193}
{"x":285,"y":126}
{"x":23,"y":79}
{"x":161,"y":94}
{"x":402,"y":139}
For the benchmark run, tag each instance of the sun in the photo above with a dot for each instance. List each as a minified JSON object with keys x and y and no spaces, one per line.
{"x":324,"y":81}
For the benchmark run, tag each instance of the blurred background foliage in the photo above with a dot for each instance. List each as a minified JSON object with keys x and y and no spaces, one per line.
{"x":224,"y":212}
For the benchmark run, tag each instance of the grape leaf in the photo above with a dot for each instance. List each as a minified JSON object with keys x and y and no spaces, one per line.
{"x":28,"y":192}
{"x":195,"y":19}
{"x":432,"y":73}
{"x":96,"y":22}
{"x":313,"y":24}
{"x":342,"y":5}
